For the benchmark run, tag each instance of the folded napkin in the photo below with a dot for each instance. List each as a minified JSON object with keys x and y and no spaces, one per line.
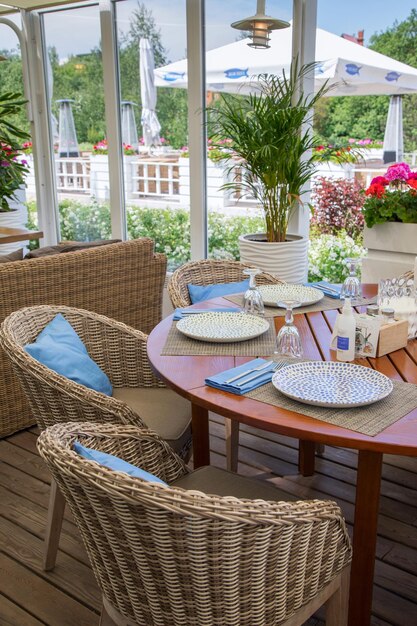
{"x":323,"y":285}
{"x":218,"y":380}
{"x":178,"y":313}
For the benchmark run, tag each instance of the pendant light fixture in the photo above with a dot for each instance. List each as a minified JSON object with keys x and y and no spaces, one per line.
{"x":260,"y":26}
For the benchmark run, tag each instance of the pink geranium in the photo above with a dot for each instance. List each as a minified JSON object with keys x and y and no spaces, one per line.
{"x":398,"y":171}
{"x":379,"y":180}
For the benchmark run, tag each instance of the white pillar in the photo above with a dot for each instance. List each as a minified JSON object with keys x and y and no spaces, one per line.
{"x":304,"y":49}
{"x":196,"y":128}
{"x":113,"y":122}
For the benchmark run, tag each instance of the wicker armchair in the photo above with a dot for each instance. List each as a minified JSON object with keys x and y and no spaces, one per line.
{"x":138,"y":396}
{"x":171,"y":555}
{"x":209,"y":272}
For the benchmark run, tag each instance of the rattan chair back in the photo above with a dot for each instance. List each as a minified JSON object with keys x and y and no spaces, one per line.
{"x":166,"y":556}
{"x":208,"y":272}
{"x":118,"y":349}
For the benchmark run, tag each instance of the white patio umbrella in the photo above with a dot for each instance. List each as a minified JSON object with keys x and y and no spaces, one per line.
{"x":351,"y":69}
{"x":150,"y":124}
{"x":393,"y":138}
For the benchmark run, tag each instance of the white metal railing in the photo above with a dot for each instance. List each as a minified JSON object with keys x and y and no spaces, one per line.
{"x":73,"y":175}
{"x":157,"y":179}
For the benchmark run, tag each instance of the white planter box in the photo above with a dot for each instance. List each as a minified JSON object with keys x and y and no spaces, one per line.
{"x":286,"y":260}
{"x":392,"y":248}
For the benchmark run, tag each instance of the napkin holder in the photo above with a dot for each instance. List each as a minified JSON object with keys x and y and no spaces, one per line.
{"x":392,"y":337}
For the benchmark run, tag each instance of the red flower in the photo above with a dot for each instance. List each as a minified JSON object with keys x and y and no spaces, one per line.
{"x":412,"y":182}
{"x":375,"y":189}
{"x":379,"y":180}
{"x":413,"y":176}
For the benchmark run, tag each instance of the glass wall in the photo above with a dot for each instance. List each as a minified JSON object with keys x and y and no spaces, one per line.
{"x":152,"y":33}
{"x":75,"y":84}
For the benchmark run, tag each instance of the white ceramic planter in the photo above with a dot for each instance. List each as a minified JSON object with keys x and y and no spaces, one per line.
{"x":15,"y":219}
{"x":392,"y":248}
{"x":286,"y":260}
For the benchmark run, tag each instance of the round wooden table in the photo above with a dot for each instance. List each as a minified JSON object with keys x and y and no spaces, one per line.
{"x":186,"y":374}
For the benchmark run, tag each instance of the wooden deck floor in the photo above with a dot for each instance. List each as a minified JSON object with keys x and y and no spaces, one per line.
{"x":69,"y":596}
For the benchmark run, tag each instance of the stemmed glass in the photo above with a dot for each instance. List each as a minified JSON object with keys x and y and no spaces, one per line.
{"x":351,"y":288}
{"x":252,"y":299}
{"x":288,"y":338}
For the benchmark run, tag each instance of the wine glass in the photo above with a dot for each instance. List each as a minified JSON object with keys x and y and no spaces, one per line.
{"x":288,"y":338}
{"x":351,"y":288}
{"x":252,"y":299}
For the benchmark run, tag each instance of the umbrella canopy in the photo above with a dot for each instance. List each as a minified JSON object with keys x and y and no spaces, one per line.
{"x":351,"y":69}
{"x":150,"y":124}
{"x":393,"y":138}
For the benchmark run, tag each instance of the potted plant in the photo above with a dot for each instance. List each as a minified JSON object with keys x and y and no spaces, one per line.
{"x":12,"y":169}
{"x":272,"y":146}
{"x":390,"y":212}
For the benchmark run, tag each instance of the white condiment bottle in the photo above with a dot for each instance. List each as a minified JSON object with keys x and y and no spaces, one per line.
{"x":346,"y":331}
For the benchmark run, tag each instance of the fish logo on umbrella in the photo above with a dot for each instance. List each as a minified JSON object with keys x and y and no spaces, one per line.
{"x":392,"y":76}
{"x":236,"y":72}
{"x":170,"y":77}
{"x":319,"y":69}
{"x":352,"y":69}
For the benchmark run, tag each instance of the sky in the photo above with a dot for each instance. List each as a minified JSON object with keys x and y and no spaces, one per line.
{"x":79,"y":32}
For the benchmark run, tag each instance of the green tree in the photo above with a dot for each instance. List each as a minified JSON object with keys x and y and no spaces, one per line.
{"x":365,"y":116}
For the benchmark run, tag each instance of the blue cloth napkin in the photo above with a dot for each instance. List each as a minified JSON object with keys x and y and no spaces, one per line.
{"x":178,"y":312}
{"x":217,"y":381}
{"x":323,"y":284}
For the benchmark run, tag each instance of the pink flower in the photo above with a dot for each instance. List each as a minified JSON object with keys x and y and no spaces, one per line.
{"x":351,"y":140}
{"x":398,"y":171}
{"x":413,"y":176}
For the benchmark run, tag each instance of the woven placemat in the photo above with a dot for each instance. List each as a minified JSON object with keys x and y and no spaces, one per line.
{"x":368,"y":420}
{"x":179,"y":345}
{"x":325,"y":304}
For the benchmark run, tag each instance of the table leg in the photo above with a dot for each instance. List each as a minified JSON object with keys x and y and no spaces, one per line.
{"x":201,"y":443}
{"x":368,"y":485}
{"x":306,"y":457}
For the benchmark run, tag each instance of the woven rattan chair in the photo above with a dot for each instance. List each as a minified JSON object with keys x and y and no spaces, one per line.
{"x":172,"y":555}
{"x":138,"y":397}
{"x":208,"y":272}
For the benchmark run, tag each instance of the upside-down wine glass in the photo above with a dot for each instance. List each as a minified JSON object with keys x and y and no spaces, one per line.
{"x":351,"y":288}
{"x":252,"y":299}
{"x":288,"y":338}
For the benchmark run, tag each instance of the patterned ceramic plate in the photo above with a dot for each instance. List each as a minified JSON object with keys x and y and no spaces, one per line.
{"x":332,"y":384}
{"x":271,"y":294}
{"x":220,"y":327}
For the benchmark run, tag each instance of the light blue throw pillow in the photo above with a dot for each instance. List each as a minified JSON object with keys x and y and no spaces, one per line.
{"x":198,"y":293}
{"x":114,"y":463}
{"x":59,"y":347}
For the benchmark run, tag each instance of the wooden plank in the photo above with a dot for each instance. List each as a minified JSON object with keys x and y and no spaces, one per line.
{"x":44,"y":600}
{"x":13,"y":615}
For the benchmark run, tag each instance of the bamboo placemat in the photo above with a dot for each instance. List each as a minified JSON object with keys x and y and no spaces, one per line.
{"x":368,"y":420}
{"x":325,"y":304}
{"x":179,"y":345}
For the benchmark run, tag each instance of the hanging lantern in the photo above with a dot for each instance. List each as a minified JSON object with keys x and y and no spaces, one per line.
{"x":260,"y":26}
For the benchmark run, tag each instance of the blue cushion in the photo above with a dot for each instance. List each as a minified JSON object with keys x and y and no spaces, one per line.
{"x":59,"y":347}
{"x":114,"y":463}
{"x":198,"y":293}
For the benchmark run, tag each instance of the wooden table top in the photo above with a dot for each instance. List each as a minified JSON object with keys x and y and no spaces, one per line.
{"x":186,"y":375}
{"x":11,"y":235}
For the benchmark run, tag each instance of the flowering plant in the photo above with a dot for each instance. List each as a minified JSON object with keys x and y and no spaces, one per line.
{"x":101,"y":147}
{"x":336,"y":153}
{"x":367,"y":143}
{"x":392,"y":197}
{"x":12,"y":168}
{"x":327,"y":257}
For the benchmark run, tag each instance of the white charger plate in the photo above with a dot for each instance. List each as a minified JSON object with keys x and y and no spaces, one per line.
{"x":332,"y":384}
{"x":271,"y":294}
{"x":219,"y":327}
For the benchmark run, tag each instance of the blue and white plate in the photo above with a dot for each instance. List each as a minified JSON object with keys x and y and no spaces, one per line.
{"x":332,"y":384}
{"x":219,"y":327}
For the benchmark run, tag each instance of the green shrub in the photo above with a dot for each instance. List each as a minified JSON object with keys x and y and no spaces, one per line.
{"x":327,"y":257}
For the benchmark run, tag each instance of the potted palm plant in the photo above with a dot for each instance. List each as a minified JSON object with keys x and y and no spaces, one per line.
{"x":270,"y":159}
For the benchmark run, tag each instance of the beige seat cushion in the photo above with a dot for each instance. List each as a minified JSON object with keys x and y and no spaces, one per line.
{"x":162,"y":410}
{"x":213,"y":480}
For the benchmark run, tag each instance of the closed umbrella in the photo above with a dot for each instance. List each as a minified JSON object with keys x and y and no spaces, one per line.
{"x":150,"y":124}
